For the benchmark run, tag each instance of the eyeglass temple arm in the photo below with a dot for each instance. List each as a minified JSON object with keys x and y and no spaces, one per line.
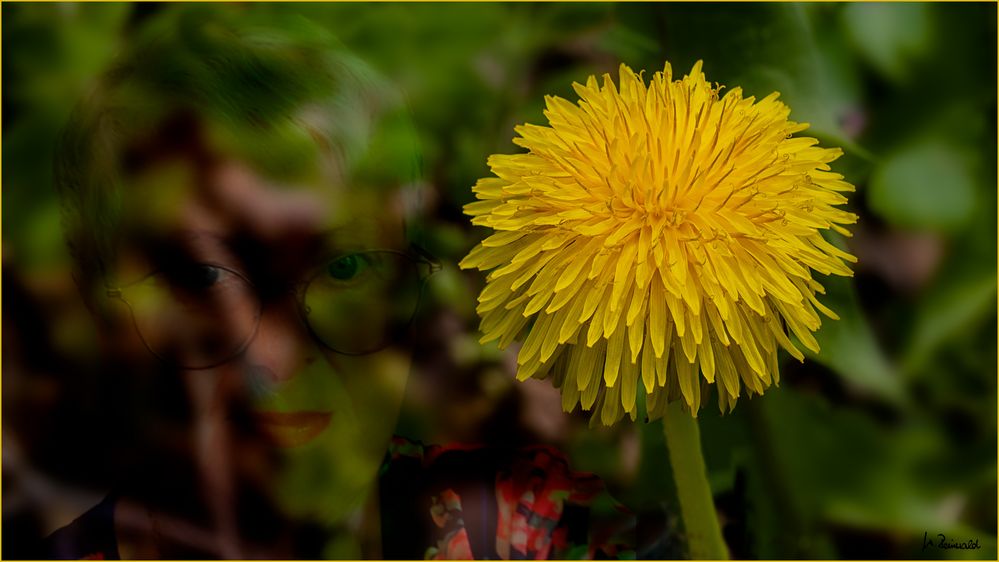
{"x":431,"y":260}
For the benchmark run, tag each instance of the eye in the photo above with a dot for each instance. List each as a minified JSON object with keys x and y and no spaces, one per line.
{"x":347,"y":267}
{"x":197,"y":276}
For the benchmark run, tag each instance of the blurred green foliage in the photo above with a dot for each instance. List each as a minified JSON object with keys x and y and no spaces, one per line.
{"x":887,"y":434}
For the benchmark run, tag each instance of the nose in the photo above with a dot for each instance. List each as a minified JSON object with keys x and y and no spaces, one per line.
{"x":282,"y":345}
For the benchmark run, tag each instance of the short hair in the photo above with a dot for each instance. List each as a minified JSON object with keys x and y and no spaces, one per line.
{"x":202,"y":69}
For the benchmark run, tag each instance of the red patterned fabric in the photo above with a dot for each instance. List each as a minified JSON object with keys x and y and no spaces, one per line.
{"x":532,"y":492}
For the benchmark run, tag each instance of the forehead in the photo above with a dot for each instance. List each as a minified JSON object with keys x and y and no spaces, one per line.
{"x":317,"y":163}
{"x":268,"y":196}
{"x":229,"y":199}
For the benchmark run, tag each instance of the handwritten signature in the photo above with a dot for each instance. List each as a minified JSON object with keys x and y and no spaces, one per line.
{"x":943,"y":543}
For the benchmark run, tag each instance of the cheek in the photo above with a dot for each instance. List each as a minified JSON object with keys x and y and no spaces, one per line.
{"x":375,"y":384}
{"x":119,"y":340}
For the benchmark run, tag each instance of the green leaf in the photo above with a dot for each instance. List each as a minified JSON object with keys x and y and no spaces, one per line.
{"x":926,"y":185}
{"x":842,"y":467}
{"x":628,"y":45}
{"x":890,"y":36}
{"x":850,"y":348}
{"x":947,"y":311}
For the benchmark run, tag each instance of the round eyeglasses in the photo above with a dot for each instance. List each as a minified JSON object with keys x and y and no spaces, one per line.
{"x":201,"y":315}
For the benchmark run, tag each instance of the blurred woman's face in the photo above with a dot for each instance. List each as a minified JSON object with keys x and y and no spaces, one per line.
{"x":279,"y":303}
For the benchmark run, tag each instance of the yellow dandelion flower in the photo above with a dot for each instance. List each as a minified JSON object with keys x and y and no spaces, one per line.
{"x":655,"y":239}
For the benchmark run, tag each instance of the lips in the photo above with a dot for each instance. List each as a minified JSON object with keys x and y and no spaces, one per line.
{"x":292,"y":429}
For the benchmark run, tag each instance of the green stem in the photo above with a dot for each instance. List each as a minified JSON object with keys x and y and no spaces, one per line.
{"x":683,"y":439}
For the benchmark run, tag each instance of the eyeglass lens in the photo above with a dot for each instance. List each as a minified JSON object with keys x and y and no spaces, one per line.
{"x":358,"y":303}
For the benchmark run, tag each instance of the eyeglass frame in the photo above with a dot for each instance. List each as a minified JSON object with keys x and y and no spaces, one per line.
{"x":418,"y":255}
